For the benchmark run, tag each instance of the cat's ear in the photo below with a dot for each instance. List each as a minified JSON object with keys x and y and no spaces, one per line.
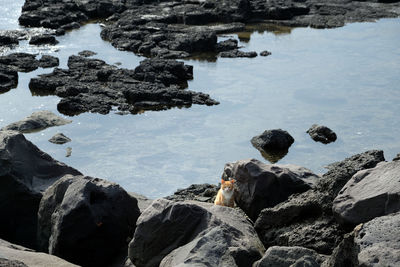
{"x":233,"y":180}
{"x":222,"y":181}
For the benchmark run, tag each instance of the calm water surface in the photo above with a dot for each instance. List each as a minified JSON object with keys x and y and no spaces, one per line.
{"x":347,"y":79}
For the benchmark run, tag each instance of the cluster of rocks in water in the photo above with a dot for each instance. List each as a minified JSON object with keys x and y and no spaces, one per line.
{"x":285,"y":215}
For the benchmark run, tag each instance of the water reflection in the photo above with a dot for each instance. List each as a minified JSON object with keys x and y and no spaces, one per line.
{"x":262,"y":28}
{"x":273,"y":156}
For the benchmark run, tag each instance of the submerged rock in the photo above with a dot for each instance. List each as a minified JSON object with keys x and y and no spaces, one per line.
{"x":37,"y":121}
{"x":92,"y":85}
{"x":59,"y":138}
{"x":25,"y":173}
{"x":323,"y":134}
{"x":43,"y":39}
{"x":193,"y":233}
{"x":86,"y":220}
{"x":265,"y":53}
{"x":369,"y":194}
{"x":259,"y":185}
{"x":237,"y":53}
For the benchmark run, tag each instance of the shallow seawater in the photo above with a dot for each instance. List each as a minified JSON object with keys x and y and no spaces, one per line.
{"x":347,"y":79}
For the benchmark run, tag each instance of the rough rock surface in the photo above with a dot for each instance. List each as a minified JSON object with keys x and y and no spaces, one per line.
{"x":59,"y":138}
{"x":198,"y":192}
{"x":22,"y":62}
{"x":345,"y":254}
{"x":306,"y":219}
{"x":187,"y":233}
{"x":237,"y":53}
{"x":92,"y":85}
{"x":378,"y":241}
{"x":290,"y":256}
{"x":25,"y":173}
{"x":323,"y":134}
{"x":12,"y":255}
{"x":86,"y":220}
{"x":43,"y":39}
{"x":47,"y":61}
{"x":37,"y":121}
{"x":369,"y":194}
{"x":8,"y":78}
{"x":259,"y":186}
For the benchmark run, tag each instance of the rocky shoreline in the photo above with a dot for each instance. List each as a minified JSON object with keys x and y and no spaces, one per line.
{"x":285,"y":215}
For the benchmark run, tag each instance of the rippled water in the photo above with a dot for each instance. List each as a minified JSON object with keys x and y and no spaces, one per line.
{"x":347,"y":79}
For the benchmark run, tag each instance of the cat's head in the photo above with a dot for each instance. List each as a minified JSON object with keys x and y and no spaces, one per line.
{"x":227,"y":185}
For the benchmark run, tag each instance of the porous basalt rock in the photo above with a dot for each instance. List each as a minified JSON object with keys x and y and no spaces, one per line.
{"x":25,"y":173}
{"x":47,"y":61}
{"x":43,"y":39}
{"x":273,"y":144}
{"x":59,"y":138}
{"x":92,"y":85}
{"x":306,"y":219}
{"x":22,"y":62}
{"x":198,"y":192}
{"x":237,"y":53}
{"x":8,"y":78}
{"x":323,"y":134}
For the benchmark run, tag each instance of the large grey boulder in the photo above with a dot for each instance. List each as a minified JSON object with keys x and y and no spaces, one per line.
{"x":379,"y":242}
{"x":290,"y":256}
{"x":193,"y":233}
{"x":369,"y":194}
{"x":37,"y":121}
{"x":86,"y":220}
{"x":306,"y":219}
{"x":25,"y":173}
{"x":260,"y":185}
{"x":12,"y":255}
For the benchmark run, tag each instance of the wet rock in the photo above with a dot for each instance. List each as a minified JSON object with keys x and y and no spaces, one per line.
{"x":227,"y":45}
{"x":25,"y":173}
{"x":92,"y":85}
{"x":13,"y":255}
{"x":290,"y":256}
{"x":320,"y":133}
{"x":87,"y":53}
{"x":193,"y":233}
{"x":8,"y":40}
{"x":369,"y":194}
{"x":273,"y":144}
{"x":265,"y":53}
{"x":259,"y":185}
{"x":86,"y":220}
{"x":198,"y":192}
{"x":37,"y":121}
{"x":8,"y":78}
{"x":59,"y":138}
{"x":306,"y":219}
{"x":20,"y":62}
{"x":43,"y":39}
{"x":47,"y":61}
{"x":237,"y":53}
{"x":378,"y":242}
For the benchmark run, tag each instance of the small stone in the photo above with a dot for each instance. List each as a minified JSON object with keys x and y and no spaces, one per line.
{"x":323,"y":134}
{"x":59,"y":138}
{"x":265,"y":53}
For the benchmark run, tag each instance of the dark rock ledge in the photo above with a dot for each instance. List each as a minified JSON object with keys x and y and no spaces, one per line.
{"x":92,"y":85}
{"x":89,"y":221}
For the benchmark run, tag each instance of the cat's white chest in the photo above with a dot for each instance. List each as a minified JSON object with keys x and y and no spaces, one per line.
{"x":227,"y":196}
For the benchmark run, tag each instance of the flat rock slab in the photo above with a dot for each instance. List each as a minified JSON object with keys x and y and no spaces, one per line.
{"x":92,"y":85}
{"x":369,"y":194}
{"x":37,"y":121}
{"x":188,"y":233}
{"x":378,"y":242}
{"x":13,"y":255}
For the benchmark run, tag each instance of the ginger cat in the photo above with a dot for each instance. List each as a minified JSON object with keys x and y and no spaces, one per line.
{"x":225,"y":194}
